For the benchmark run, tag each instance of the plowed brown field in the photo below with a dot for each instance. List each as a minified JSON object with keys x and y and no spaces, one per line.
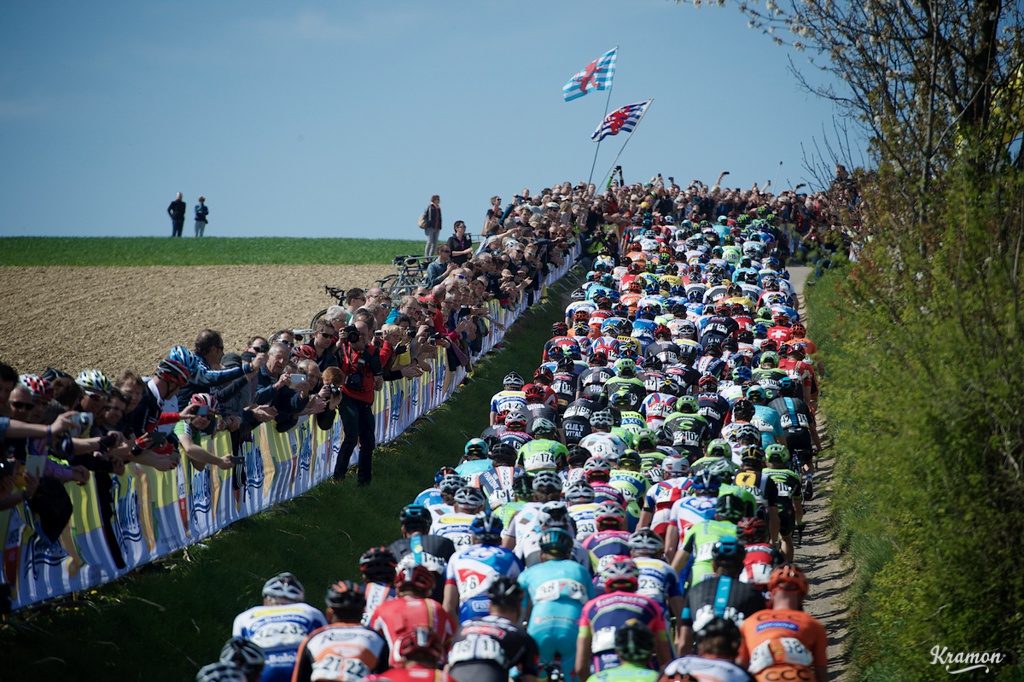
{"x":74,"y":318}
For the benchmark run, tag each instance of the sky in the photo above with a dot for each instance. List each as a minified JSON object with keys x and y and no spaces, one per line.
{"x":341,"y":119}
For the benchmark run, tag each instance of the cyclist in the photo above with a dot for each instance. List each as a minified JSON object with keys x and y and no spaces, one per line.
{"x":410,"y":611}
{"x":344,"y":649}
{"x":611,"y":538}
{"x":510,"y":398}
{"x":790,"y":505}
{"x":695,"y":508}
{"x":432,"y":496}
{"x":279,"y":625}
{"x":469,"y":502}
{"x":220,"y":672}
{"x":522,"y":494}
{"x":498,"y":481}
{"x":759,"y":557}
{"x":474,"y":459}
{"x":417,"y":548}
{"x":450,"y":484}
{"x":801,"y":430}
{"x":420,"y":653}
{"x":783,"y":640}
{"x":718,"y":644}
{"x":721,"y":595}
{"x":544,"y":452}
{"x":657,"y":579}
{"x":604,"y":614}
{"x":488,"y":647}
{"x":556,"y":590}
{"x":710,"y":405}
{"x":689,"y":430}
{"x":377,"y":566}
{"x":471,"y":571}
{"x":634,"y":644}
{"x":248,"y":657}
{"x":514,"y":431}
{"x":580,"y":498}
{"x":699,"y":540}
{"x":661,"y":496}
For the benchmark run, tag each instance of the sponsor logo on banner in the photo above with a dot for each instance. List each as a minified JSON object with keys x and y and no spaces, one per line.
{"x":40,"y":552}
{"x":12,"y":549}
{"x":255,"y":474}
{"x":305,"y":438}
{"x":202,"y":496}
{"x":128,"y":527}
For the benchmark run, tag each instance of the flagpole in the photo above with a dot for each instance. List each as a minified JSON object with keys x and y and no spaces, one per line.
{"x":607,"y":103}
{"x":610,"y":168}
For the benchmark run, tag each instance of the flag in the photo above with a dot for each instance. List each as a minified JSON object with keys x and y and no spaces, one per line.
{"x":624,"y":119}
{"x":597,"y":76}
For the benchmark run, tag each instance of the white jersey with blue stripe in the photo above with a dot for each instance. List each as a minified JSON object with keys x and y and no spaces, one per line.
{"x":278,"y":629}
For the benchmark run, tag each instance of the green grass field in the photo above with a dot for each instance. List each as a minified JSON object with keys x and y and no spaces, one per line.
{"x":125,"y":251}
{"x":163,"y":624}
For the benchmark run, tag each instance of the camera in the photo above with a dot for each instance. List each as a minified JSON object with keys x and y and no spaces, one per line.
{"x":296,"y":379}
{"x":352,"y":334}
{"x":82,"y":423}
{"x":335,"y":391}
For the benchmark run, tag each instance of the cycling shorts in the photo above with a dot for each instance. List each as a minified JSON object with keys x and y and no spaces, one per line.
{"x":787,"y":520}
{"x":556,"y":637}
{"x":479,"y":671}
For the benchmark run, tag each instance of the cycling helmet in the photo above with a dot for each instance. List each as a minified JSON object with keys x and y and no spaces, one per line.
{"x":597,"y":468}
{"x":284,"y":586}
{"x":220,"y":672}
{"x":487,"y":528}
{"x":513,"y":381}
{"x":770,"y":357}
{"x":723,"y":468}
{"x":553,"y":515}
{"x":798,"y":330}
{"x":705,"y":482}
{"x":173,"y":372}
{"x":634,"y":642}
{"x":522,"y":485}
{"x":503,"y":454}
{"x":559,"y":329}
{"x":535,"y":393}
{"x":727,"y":551}
{"x":609,"y":514}
{"x":543,"y":373}
{"x":505,"y":592}
{"x":245,"y":655}
{"x":620,"y":573}
{"x":303,"y":352}
{"x":547,"y":481}
{"x":719,"y":447}
{"x":578,"y":294}
{"x":624,"y":367}
{"x":95,"y":381}
{"x":441,"y":473}
{"x":674,"y":467}
{"x":378,"y":562}
{"x":752,"y":529}
{"x":647,"y":542}
{"x":451,"y":484}
{"x":186,"y":357}
{"x":687,"y":404}
{"x":602,"y":419}
{"x":476,"y":447}
{"x":730,"y":507}
{"x":36,"y":385}
{"x":344,"y":595}
{"x":787,"y":385}
{"x":422,"y":642}
{"x":752,"y":455}
{"x":418,"y":578}
{"x":756,"y":392}
{"x":557,"y":542}
{"x":720,"y":627}
{"x":579,"y":492}
{"x":578,"y":455}
{"x":581,"y":316}
{"x":543,"y":428}
{"x":742,"y":375}
{"x":473,"y":498}
{"x":415,"y":516}
{"x":769,"y":344}
{"x":204,"y":400}
{"x":662,"y":330}
{"x":743,"y":410}
{"x":629,"y":459}
{"x":790,"y":578}
{"x":516,"y":418}
{"x":708,"y":383}
{"x":776,"y":452}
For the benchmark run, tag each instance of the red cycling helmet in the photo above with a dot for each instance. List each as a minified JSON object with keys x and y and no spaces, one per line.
{"x":416,"y":577}
{"x":304,"y":352}
{"x":535,"y":393}
{"x":36,"y":385}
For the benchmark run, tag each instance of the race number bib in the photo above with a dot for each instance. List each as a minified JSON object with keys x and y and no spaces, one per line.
{"x":477,"y":648}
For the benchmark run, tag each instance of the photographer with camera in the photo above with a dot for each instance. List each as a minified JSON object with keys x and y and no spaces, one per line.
{"x":279,"y":387}
{"x":361,"y":366}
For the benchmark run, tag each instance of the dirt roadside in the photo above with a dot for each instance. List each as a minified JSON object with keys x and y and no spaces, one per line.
{"x":75,"y":318}
{"x":830,"y":574}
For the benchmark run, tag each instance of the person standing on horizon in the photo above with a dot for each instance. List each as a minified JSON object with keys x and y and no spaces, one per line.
{"x":201,"y":212}
{"x":433,"y":225}
{"x":177,"y":212}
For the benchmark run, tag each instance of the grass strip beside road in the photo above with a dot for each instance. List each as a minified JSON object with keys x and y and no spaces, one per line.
{"x":145,"y":251}
{"x":165,"y":624}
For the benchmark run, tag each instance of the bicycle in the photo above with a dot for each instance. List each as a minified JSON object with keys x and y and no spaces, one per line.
{"x":410,"y":273}
{"x":334,"y":292}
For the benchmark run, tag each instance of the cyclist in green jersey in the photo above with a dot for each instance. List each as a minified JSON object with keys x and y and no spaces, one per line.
{"x":700,"y":538}
{"x":790,"y":498}
{"x":522,"y":488}
{"x":634,"y":644}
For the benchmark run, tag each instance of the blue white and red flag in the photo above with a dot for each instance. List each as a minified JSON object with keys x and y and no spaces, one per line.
{"x":597,"y":75}
{"x":624,"y":119}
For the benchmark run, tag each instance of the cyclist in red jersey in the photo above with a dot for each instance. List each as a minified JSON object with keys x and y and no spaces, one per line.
{"x":411,"y":610}
{"x":784,"y":642}
{"x":419,"y":652}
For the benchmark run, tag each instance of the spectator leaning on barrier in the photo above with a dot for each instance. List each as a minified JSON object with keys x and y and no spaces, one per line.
{"x":361,"y":365}
{"x":275,"y":386}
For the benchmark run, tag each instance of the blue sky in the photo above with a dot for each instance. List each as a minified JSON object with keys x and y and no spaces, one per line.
{"x":317,"y":119}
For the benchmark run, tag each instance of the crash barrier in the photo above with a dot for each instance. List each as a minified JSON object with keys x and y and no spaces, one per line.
{"x":121,"y":522}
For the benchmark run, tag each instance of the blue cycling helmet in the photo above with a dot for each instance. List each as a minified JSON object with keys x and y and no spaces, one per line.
{"x":705,"y":482}
{"x":186,"y":357}
{"x":487,"y":528}
{"x":476,"y":447}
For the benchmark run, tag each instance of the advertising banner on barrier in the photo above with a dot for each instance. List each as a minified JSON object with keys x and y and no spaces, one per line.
{"x":120,"y":522}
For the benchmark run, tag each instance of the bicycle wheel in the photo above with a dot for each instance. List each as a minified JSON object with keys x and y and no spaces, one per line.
{"x":316,"y":318}
{"x":388,"y":284}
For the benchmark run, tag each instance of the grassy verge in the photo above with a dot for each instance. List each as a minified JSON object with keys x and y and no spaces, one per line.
{"x":124,"y":251}
{"x":165,"y":624}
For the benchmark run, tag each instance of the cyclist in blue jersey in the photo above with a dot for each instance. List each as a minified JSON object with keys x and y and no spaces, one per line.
{"x":475,"y":460}
{"x":556,"y":589}
{"x":279,"y":625}
{"x":432,"y":496}
{"x":471,"y":571}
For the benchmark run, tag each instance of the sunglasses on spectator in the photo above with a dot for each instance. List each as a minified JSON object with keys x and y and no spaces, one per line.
{"x":332,"y":337}
{"x":287,"y":343}
{"x":18,"y":405}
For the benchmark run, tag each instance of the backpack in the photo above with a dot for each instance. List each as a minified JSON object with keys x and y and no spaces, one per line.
{"x":423,"y":220}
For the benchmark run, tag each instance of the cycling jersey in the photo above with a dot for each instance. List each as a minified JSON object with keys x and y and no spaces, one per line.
{"x":583,"y":518}
{"x":504,"y":402}
{"x":690,"y":510}
{"x":606,"y":543}
{"x":557,"y":590}
{"x":455,"y":527}
{"x":698,"y":542}
{"x":486,"y":650}
{"x":416,"y":673}
{"x":657,"y":580}
{"x":278,"y":629}
{"x":342,"y":652}
{"x":605,"y":614}
{"x":562,"y":343}
{"x":400,"y":616}
{"x":496,"y":483}
{"x":514,"y":438}
{"x":784,"y":639}
{"x":429,"y":498}
{"x":659,"y":500}
{"x":759,"y":561}
{"x":430,"y":551}
{"x":375,"y":594}
{"x":722,"y":597}
{"x":604,"y":444}
{"x":472,"y":570}
{"x":542,"y":454}
{"x":689,"y":433}
{"x":627,"y":672}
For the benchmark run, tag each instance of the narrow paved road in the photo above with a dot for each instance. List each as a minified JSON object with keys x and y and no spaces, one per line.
{"x":829,"y":573}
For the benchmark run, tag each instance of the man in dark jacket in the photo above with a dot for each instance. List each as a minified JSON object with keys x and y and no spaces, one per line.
{"x":177,"y":212}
